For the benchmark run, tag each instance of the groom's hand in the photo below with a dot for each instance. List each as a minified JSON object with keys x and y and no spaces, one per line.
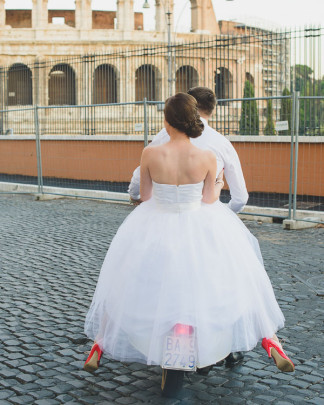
{"x":134,"y":202}
{"x":220,"y":176}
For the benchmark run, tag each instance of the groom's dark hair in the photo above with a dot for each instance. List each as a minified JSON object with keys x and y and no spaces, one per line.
{"x":206,"y":99}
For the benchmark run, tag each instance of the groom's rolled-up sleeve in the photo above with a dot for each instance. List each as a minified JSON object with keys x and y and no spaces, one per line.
{"x":134,"y":185}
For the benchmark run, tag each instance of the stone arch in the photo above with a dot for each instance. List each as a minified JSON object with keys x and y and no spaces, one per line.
{"x":249,"y":77}
{"x":186,"y":78}
{"x":20,"y":86}
{"x":147,"y":83}
{"x":61,"y":85}
{"x":105,"y":84}
{"x":223,"y":84}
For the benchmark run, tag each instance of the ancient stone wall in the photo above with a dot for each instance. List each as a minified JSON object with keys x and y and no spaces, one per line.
{"x":100,"y":19}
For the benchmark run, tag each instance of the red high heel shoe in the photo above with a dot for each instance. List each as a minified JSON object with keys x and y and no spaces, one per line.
{"x":92,"y":362}
{"x":275,"y":350}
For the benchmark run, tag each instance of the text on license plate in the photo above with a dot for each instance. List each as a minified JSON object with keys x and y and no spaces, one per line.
{"x":179,"y":353}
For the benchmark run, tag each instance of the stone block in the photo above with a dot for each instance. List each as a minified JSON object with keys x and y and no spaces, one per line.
{"x":292,"y":224}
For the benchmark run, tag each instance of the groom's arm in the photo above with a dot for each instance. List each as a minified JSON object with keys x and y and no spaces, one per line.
{"x":235,"y":179}
{"x":134,"y":186}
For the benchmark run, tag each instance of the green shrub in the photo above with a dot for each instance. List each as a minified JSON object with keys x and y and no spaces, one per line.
{"x":249,"y":121}
{"x":270,"y":126}
{"x":285,"y":111}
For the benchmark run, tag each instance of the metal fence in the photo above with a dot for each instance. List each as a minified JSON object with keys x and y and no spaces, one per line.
{"x":284,"y":173}
{"x":249,"y":63}
{"x":79,"y":123}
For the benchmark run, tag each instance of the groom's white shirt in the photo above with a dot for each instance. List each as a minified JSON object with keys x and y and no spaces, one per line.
{"x":227,"y":159}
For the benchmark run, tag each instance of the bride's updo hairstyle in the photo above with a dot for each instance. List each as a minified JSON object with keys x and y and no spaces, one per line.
{"x":181,"y":113}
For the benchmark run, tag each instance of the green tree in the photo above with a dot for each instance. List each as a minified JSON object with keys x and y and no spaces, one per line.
{"x":310,"y":110}
{"x":302,"y":75}
{"x":249,"y":121}
{"x":285,"y":111}
{"x":303,"y":71}
{"x":270,"y":127}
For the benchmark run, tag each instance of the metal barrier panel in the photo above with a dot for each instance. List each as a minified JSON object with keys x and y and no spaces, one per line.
{"x":265,"y":159}
{"x":100,"y":119}
{"x":309,"y":162}
{"x":18,"y":162}
{"x":266,"y":166}
{"x":96,"y":112}
{"x":96,"y":165}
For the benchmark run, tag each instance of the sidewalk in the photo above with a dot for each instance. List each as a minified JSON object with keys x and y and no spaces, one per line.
{"x":50,"y":256}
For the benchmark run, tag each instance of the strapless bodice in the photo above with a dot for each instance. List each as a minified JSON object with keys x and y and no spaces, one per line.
{"x":178,"y":198}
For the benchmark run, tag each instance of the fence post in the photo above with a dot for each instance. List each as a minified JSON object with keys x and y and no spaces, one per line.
{"x":297,"y":94}
{"x":92,"y":109}
{"x":145,"y":123}
{"x":291,"y":169}
{"x":38,"y":153}
{"x":4,"y":101}
{"x":85,"y":95}
{"x":169,"y":53}
{"x":1,"y":101}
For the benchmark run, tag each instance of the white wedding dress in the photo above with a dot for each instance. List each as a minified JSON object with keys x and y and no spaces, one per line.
{"x":178,"y":260}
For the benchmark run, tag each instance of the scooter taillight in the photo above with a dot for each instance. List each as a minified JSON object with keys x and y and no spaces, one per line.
{"x":180,"y":329}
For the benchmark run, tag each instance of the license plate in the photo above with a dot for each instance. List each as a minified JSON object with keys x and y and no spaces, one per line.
{"x":179,"y":353}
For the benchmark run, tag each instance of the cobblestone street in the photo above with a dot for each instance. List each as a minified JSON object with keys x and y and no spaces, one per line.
{"x":50,"y":257}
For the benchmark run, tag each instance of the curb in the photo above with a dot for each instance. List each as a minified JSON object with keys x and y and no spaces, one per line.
{"x":304,"y":219}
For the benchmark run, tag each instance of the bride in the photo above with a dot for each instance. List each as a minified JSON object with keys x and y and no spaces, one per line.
{"x":192,"y":263}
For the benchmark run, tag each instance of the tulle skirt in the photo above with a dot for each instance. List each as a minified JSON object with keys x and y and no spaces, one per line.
{"x":198,"y":267}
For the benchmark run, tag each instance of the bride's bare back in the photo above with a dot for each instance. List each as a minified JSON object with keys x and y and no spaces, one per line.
{"x":178,"y":162}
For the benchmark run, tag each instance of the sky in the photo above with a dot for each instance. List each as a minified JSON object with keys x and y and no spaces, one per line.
{"x":264,"y":13}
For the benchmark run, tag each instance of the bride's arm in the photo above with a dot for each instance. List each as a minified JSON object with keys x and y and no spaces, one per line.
{"x":146,"y":180}
{"x":211,"y":191}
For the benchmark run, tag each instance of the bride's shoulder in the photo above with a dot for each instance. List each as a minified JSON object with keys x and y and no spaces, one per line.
{"x":152,"y":150}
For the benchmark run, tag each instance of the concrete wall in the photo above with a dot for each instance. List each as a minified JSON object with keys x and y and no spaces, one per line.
{"x":265,"y":164}
{"x":100,"y":19}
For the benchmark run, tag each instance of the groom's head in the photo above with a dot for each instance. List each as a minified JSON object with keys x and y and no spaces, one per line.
{"x":206,"y":99}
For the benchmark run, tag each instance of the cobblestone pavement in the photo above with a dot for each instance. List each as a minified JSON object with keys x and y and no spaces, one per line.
{"x":51,"y":253}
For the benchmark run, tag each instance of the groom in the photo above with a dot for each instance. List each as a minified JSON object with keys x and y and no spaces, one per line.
{"x":226,"y":157}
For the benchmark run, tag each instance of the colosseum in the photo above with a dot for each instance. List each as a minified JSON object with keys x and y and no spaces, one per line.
{"x":85,"y":56}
